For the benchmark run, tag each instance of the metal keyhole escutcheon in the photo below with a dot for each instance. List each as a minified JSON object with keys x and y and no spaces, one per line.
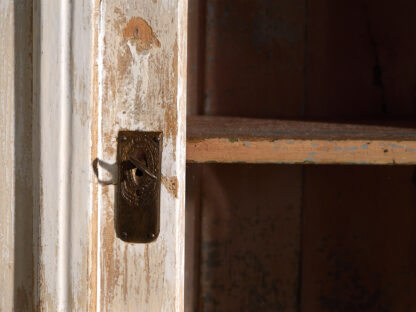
{"x":138,"y":194}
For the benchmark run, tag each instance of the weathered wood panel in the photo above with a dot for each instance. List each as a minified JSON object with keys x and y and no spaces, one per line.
{"x":62,"y":156}
{"x":225,"y":139}
{"x":358,"y":152}
{"x":142,"y":86}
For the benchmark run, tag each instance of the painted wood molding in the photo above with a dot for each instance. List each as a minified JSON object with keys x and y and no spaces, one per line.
{"x":141,"y":79}
{"x":63,"y":36}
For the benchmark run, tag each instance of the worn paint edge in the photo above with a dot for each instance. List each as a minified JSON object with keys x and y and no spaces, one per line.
{"x":181,"y":149}
{"x":63,"y":103}
{"x":359,"y":152}
{"x":93,"y":252}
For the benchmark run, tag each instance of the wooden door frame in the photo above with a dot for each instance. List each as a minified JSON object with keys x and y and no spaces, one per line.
{"x":76,"y":111}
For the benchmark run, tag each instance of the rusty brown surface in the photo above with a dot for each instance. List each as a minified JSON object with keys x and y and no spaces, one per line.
{"x":138,"y":29}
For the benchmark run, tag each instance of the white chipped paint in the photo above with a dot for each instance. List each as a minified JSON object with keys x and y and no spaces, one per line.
{"x":65,"y":193}
{"x":137,"y":92}
{"x":140,"y":68}
{"x":65,"y":173}
{"x":101,"y":76}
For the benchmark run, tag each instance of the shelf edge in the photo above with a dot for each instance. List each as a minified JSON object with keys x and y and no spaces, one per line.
{"x":301,"y":151}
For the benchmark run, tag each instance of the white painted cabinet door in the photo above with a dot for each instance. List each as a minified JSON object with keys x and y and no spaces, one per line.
{"x":90,"y":69}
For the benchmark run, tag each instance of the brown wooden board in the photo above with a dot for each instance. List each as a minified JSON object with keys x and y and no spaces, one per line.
{"x":230,"y":140}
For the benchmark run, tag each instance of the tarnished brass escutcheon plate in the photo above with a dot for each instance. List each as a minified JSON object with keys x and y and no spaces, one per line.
{"x":137,"y":215}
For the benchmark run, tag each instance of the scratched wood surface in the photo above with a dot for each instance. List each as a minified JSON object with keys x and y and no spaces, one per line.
{"x":141,"y":73}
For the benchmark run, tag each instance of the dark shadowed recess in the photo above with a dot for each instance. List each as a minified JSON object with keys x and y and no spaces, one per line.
{"x":301,"y":238}
{"x":23,"y":158}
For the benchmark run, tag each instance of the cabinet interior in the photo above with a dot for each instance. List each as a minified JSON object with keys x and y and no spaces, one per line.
{"x":302,"y":234}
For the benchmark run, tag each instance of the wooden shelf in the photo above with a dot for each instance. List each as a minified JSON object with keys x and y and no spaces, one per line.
{"x":246,"y":140}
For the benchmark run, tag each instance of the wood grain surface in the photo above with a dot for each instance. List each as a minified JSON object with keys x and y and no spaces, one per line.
{"x":228,"y":140}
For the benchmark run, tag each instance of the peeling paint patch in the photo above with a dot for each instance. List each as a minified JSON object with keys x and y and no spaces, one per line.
{"x":395,"y":145}
{"x":139,"y":31}
{"x":351,"y":148}
{"x":171,"y":185}
{"x":364,"y":146}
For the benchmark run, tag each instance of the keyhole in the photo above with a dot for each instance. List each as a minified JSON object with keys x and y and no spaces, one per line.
{"x":138,"y":173}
